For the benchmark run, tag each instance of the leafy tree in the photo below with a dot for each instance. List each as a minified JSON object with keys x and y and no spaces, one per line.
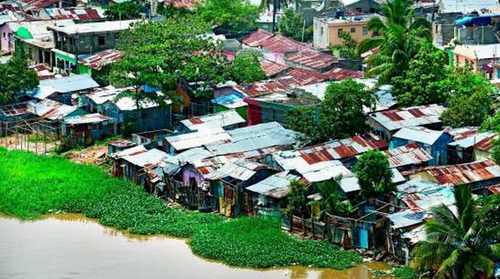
{"x":339,"y":115}
{"x":342,"y":110}
{"x":17,"y":79}
{"x":292,"y":24}
{"x":398,"y":41}
{"x":349,"y":47}
{"x":374,"y":174}
{"x":246,"y":67}
{"x":470,"y":101}
{"x":160,"y":54}
{"x":331,"y":200}
{"x":459,"y":246}
{"x":421,"y":84}
{"x":124,"y":11}
{"x":297,"y":200}
{"x":467,"y":110}
{"x":232,"y":15}
{"x":169,"y":10}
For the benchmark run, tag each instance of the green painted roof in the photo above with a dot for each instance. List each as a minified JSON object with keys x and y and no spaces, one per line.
{"x":24,"y":33}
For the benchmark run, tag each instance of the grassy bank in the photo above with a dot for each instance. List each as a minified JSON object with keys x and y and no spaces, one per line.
{"x":31,"y":186}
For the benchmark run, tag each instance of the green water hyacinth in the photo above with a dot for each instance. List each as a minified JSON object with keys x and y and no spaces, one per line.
{"x":32,"y":185}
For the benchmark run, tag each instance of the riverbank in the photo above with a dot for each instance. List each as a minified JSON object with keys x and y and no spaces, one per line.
{"x":32,"y":186}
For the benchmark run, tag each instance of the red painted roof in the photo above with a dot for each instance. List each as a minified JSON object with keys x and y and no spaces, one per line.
{"x":312,"y":59}
{"x":485,"y":144}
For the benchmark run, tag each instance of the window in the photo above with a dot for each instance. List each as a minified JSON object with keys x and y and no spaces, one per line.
{"x":321,"y":31}
{"x":353,"y":30}
{"x":340,"y":31}
{"x":101,"y":41}
{"x":365,"y":31}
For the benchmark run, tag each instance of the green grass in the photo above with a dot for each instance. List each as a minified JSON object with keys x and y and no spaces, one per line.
{"x":404,"y":272}
{"x":31,"y":186}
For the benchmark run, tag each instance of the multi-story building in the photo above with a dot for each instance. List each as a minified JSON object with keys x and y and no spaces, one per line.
{"x":328,"y":30}
{"x":75,"y":42}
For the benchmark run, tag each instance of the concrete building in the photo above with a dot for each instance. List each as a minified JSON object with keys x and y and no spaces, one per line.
{"x":482,"y":59}
{"x":327,"y":30}
{"x":81,"y":40}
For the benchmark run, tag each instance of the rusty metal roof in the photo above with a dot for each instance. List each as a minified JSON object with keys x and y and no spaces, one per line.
{"x":461,"y":174}
{"x":408,"y":117}
{"x":410,"y":154}
{"x":272,"y":68}
{"x":341,"y":74}
{"x":295,"y":77}
{"x":102,"y":58}
{"x":312,"y":59}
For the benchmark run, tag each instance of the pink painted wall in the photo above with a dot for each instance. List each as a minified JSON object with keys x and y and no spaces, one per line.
{"x":7,"y":37}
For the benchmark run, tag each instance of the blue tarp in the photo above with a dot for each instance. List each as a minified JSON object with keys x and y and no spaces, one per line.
{"x":477,"y":21}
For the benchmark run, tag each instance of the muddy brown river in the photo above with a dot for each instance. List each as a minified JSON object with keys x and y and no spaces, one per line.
{"x":72,"y":247}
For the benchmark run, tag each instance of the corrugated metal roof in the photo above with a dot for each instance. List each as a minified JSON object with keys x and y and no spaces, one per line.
{"x":312,"y":59}
{"x":423,"y":196}
{"x":50,"y":109}
{"x":73,"y":13}
{"x":342,"y":149}
{"x":102,"y":58}
{"x":408,"y":117}
{"x":149,"y":158}
{"x":419,"y":134}
{"x":341,"y":74}
{"x":480,"y":140}
{"x":294,"y":78}
{"x":130,"y":151}
{"x":215,"y":120}
{"x":275,"y":186}
{"x":110,"y":94}
{"x":272,"y":68}
{"x":68,"y":84}
{"x":410,"y":154}
{"x":407,"y":218}
{"x":197,"y":139}
{"x":463,"y":173}
{"x":466,"y":6}
{"x":296,"y":52}
{"x":253,"y":138}
{"x":86,"y":119}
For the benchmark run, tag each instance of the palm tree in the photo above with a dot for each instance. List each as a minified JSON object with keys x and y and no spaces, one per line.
{"x":397,"y":38}
{"x":458,"y":246}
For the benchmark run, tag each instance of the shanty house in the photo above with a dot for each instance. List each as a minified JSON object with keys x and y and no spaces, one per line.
{"x":388,"y":122}
{"x":132,"y":163}
{"x":63,"y":89}
{"x":269,"y":195}
{"x":86,"y":129}
{"x":433,"y":142}
{"x":148,"y":116}
{"x":467,"y":144}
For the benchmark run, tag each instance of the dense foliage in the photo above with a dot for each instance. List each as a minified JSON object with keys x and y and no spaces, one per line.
{"x":233,"y":16}
{"x":162,"y":53}
{"x":492,"y":123}
{"x":331,"y":200}
{"x":461,"y":245}
{"x":399,"y":37}
{"x":292,"y":24}
{"x":246,"y":68}
{"x":340,"y":114}
{"x":470,"y":101}
{"x":124,"y":10}
{"x":297,"y":199}
{"x":16,"y":79}
{"x":373,"y":172}
{"x":349,"y":47}
{"x":422,"y":82}
{"x":34,"y":185}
